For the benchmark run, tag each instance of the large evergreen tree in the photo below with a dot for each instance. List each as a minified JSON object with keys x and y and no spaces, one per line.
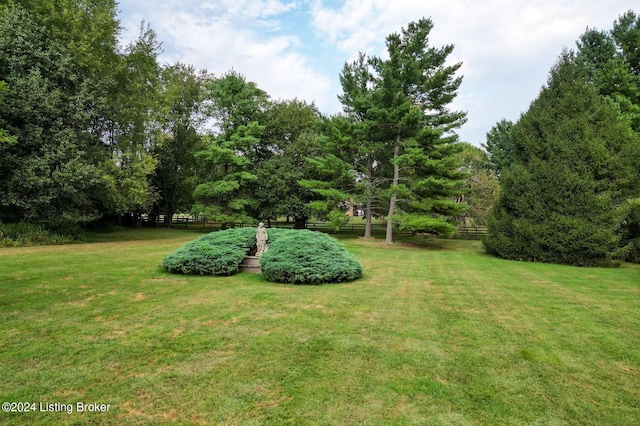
{"x":360,"y":141}
{"x":611,"y":60}
{"x":334,"y":173}
{"x":225,"y":192}
{"x":415,"y":88}
{"x":563,"y":197}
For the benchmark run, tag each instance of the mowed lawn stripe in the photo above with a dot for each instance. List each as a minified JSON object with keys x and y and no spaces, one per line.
{"x":436,"y":332}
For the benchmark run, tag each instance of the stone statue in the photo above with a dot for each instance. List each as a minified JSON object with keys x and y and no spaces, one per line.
{"x":261,"y":239}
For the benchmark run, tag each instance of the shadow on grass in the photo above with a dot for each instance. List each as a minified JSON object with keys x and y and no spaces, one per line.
{"x":141,"y":234}
{"x":432,"y":243}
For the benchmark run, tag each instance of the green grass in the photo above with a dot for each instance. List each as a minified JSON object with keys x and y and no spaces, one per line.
{"x":435,"y":334}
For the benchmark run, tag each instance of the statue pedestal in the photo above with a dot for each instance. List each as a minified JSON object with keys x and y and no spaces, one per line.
{"x":251,"y":264}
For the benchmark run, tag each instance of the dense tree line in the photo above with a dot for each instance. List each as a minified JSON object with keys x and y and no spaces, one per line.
{"x":79,"y":110}
{"x":94,"y":132}
{"x":569,"y":168}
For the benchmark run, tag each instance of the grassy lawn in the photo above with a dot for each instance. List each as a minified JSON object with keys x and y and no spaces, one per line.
{"x":438,"y":334}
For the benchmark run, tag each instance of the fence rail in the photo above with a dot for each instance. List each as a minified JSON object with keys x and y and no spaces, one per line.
{"x":194,"y":222}
{"x":471,"y":232}
{"x":463,"y":232}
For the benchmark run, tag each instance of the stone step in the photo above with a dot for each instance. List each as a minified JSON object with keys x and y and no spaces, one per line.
{"x":251,"y":264}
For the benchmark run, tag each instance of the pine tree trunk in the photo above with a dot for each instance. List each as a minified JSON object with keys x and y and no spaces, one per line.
{"x":394,"y":193}
{"x":367,"y":226}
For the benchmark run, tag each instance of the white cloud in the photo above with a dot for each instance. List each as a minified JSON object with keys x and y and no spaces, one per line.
{"x":251,"y":9}
{"x":491,"y":28}
{"x":243,"y":35}
{"x":507,"y":46}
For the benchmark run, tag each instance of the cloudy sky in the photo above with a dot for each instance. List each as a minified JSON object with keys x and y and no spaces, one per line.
{"x":296,"y":48}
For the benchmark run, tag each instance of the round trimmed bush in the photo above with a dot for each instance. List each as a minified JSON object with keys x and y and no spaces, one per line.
{"x":240,"y":237}
{"x":217,"y":253}
{"x":306,"y":257}
{"x":205,"y":259}
{"x":297,"y":257}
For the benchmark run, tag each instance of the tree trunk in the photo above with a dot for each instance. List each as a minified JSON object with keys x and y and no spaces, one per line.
{"x":367,"y":226}
{"x":168,"y":219}
{"x":300,"y":223}
{"x":153,"y":218}
{"x":394,"y":193}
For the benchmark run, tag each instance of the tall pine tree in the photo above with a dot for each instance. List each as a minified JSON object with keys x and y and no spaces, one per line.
{"x":415,"y":88}
{"x":227,"y":180}
{"x":367,"y":153}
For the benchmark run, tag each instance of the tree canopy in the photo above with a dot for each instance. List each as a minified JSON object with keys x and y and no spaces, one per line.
{"x":403,"y":131}
{"x":611,"y":60}
{"x":563,"y":198}
{"x":49,"y":174}
{"x":92,"y":131}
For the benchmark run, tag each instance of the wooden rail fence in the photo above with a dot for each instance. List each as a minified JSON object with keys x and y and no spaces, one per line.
{"x":187,"y":221}
{"x":463,"y":232}
{"x":471,"y":232}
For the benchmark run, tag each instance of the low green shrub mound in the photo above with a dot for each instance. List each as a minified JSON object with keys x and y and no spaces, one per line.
{"x":298,"y":257}
{"x":306,"y":257}
{"x":205,"y":259}
{"x":241,"y":237}
{"x":276,"y":233}
{"x":217,"y":253}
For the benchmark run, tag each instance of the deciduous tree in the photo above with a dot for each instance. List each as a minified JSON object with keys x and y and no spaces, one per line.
{"x":290,"y":136}
{"x":131,"y":121}
{"x":5,"y":137}
{"x":177,"y":138}
{"x":481,"y":184}
{"x":48,"y":175}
